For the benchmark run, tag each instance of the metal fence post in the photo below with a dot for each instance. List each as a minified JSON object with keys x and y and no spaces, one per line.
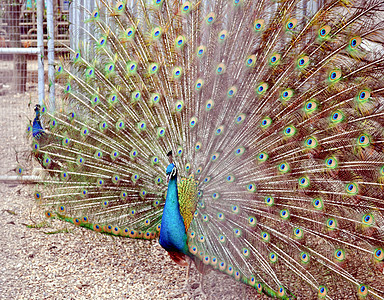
{"x":40,"y":46}
{"x":51,"y":55}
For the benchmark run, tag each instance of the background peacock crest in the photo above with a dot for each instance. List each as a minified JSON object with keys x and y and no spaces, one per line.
{"x":274,"y":112}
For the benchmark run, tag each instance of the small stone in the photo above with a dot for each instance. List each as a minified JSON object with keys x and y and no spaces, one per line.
{"x":195,"y":285}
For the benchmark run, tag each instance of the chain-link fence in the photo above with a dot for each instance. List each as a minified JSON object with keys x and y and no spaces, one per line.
{"x":19,"y":54}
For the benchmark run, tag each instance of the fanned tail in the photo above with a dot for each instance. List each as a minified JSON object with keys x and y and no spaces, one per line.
{"x":276,"y":108}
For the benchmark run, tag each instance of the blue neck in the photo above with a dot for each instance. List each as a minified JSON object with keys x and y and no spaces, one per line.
{"x":37,"y":129}
{"x":172,"y":234}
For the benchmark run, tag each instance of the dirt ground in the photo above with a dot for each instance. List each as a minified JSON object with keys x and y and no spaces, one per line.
{"x":76,"y":263}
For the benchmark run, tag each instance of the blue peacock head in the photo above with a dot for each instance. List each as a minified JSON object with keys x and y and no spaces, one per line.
{"x":171,"y":169}
{"x":37,"y":109}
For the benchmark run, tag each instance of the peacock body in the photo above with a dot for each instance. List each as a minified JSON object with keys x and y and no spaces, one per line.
{"x":274,"y":111}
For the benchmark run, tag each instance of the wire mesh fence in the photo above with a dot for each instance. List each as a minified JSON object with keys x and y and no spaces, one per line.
{"x":19,"y":73}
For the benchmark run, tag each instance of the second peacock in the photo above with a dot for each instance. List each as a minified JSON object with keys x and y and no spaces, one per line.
{"x":247,"y":135}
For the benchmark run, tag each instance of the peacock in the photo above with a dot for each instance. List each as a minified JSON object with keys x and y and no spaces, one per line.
{"x":248,"y":136}
{"x":42,"y":139}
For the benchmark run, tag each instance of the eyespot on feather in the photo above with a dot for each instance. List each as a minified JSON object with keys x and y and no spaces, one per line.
{"x":284,"y":214}
{"x":284,"y":167}
{"x":200,"y":51}
{"x":215,"y":156}
{"x":337,"y":117}
{"x":286,"y":94}
{"x":363,"y":96}
{"x":109,"y":68}
{"x":251,"y":60}
{"x":304,"y":257}
{"x":331,"y":162}
{"x":269,"y":200}
{"x":298,"y":233}
{"x":251,"y":221}
{"x":252,"y":280}
{"x":220,"y":69}
{"x":156,"y":33}
{"x":367,"y":220}
{"x":251,"y":187}
{"x":239,"y":151}
{"x":160,"y":132}
{"x":265,"y":236}
{"x":289,"y":131}
{"x":311,"y":142}
{"x":95,"y":15}
{"x":199,"y":84}
{"x":259,"y":287}
{"x":179,"y":41}
{"x":258,"y":25}
{"x":19,"y":170}
{"x":281,"y":292}
{"x":97,"y":227}
{"x":222,"y":36}
{"x":102,"y":42}
{"x":322,"y":292}
{"x":125,"y":231}
{"x":237,"y":2}
{"x":132,"y":67}
{"x":77,"y":221}
{"x":116,"y":230}
{"x":68,"y":88}
{"x":331,"y":224}
{"x":378,"y":254}
{"x":354,"y":42}
{"x":339,"y":255}
{"x":272,"y":257}
{"x":291,"y":24}
{"x":120,"y":125}
{"x":364,"y":140}
{"x":129,"y":33}
{"x":219,"y":130}
{"x":119,"y":7}
{"x":334,"y":76}
{"x":210,"y":18}
{"x":363,"y":290}
{"x":177,"y":72}
{"x":157,"y":3}
{"x":132,"y":233}
{"x":303,"y":61}
{"x":231,"y":92}
{"x":186,"y":7}
{"x":153,"y":68}
{"x":262,"y":157}
{"x":235,"y":209}
{"x":192,"y":122}
{"x":76,"y":56}
{"x":324,"y":31}
{"x":266,"y":122}
{"x":311,"y":106}
{"x":262,"y":88}
{"x":274,"y":59}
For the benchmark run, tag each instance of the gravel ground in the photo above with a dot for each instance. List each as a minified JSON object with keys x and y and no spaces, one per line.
{"x":76,"y":263}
